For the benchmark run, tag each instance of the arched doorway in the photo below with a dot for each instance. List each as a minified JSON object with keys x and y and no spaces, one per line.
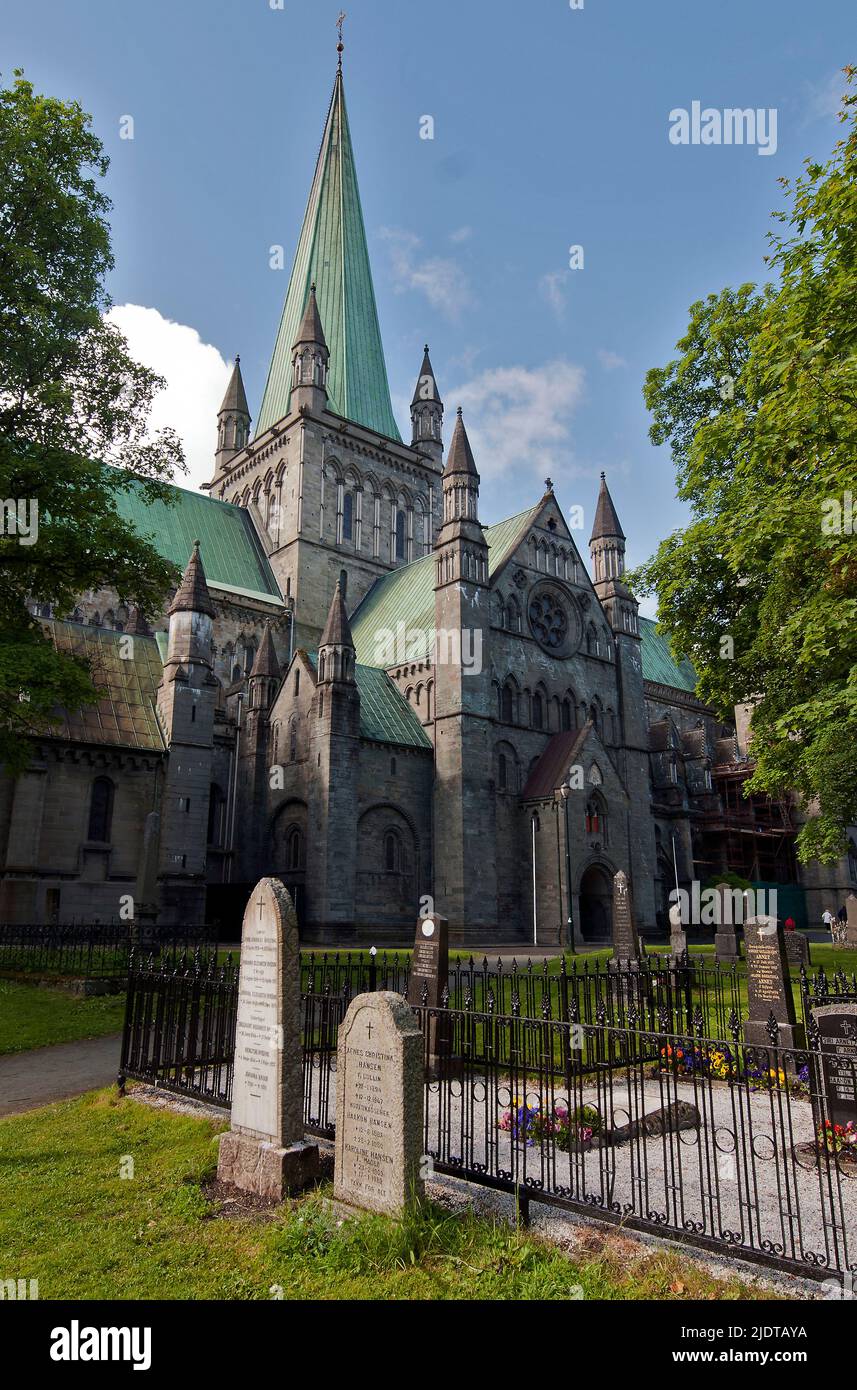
{"x":596,"y":899}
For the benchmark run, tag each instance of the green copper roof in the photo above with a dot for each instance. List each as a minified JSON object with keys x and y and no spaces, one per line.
{"x":127,"y":680}
{"x":332,"y":252}
{"x":659,"y":665}
{"x":232,"y":553}
{"x":385,"y":715}
{"x":406,"y":596}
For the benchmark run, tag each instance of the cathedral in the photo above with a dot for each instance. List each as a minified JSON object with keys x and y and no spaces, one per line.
{"x":361,"y":687}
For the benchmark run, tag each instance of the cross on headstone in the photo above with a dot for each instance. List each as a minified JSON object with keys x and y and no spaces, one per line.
{"x":369,"y":1034}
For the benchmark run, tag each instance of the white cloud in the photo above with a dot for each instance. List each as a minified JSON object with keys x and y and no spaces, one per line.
{"x":823,"y":99}
{"x":461,"y":234}
{"x":519,"y":417}
{"x":440,"y":279}
{"x":610,"y":360}
{"x":553,"y":288}
{"x":196,"y":377}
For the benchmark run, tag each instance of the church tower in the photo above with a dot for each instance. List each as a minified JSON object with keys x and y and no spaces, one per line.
{"x":186,"y":702}
{"x":427,"y":414}
{"x":465,"y":883}
{"x":334,"y":747}
{"x":233,"y":420}
{"x":607,"y":550}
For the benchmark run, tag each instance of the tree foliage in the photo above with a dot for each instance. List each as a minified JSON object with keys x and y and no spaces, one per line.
{"x":760,"y":412}
{"x":72,"y":403}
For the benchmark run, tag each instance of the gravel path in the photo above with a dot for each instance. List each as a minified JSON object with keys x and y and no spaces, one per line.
{"x":734,"y":1178}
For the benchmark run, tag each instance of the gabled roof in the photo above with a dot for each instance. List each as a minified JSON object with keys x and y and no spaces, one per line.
{"x":659,"y":665}
{"x":551,"y":770}
{"x":125,"y":715}
{"x":234,"y":558}
{"x":406,"y":595}
{"x":385,"y":714}
{"x":332,"y":251}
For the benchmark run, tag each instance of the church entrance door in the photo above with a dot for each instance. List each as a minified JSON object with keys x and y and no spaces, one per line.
{"x":596,"y":899}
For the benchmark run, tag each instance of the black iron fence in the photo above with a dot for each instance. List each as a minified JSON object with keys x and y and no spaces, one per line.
{"x":94,"y":951}
{"x":634,"y":1112}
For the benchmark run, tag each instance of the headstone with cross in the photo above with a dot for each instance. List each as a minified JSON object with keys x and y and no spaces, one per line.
{"x":769,"y":987}
{"x":379,"y":1105}
{"x":264,"y":1151}
{"x":835,"y":1065}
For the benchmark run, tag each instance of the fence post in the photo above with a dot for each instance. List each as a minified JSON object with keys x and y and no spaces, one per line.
{"x":373,"y":969}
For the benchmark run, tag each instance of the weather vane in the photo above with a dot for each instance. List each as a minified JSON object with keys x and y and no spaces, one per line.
{"x":341,"y":17}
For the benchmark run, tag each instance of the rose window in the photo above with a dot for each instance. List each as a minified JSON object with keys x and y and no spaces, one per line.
{"x":548,"y":620}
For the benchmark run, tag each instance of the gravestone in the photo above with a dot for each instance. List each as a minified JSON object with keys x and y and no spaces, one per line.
{"x":626,"y":943}
{"x":429,"y":962}
{"x":426,"y":983}
{"x":797,"y":949}
{"x":835,"y":1088}
{"x":850,"y":942}
{"x":264,"y":1152}
{"x":769,"y":988}
{"x":379,"y":1105}
{"x":727,"y":948}
{"x":678,"y":936}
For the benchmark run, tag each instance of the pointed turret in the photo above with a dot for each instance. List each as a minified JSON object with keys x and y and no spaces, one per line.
{"x":310,"y":360}
{"x":192,"y":595}
{"x":607,"y":549}
{"x":265,"y":674}
{"x":427,"y":413}
{"x":233,"y":420}
{"x":332,"y":251}
{"x":336,"y":649}
{"x":461,"y":491}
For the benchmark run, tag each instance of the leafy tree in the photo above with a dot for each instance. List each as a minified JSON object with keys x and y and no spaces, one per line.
{"x":72,"y":402}
{"x":760,"y":412}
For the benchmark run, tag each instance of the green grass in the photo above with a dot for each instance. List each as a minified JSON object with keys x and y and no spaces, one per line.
{"x":68,"y":1219}
{"x":33,"y":1017}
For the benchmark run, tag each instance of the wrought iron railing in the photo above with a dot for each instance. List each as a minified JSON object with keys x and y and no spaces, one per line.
{"x":87,"y":950}
{"x":635,"y":1113}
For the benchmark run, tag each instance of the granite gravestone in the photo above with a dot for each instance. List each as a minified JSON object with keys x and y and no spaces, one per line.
{"x":626,"y":943}
{"x":850,"y":942}
{"x":426,"y":984}
{"x":836,"y":1064}
{"x":769,"y":988}
{"x":678,"y":936}
{"x":264,"y":1152}
{"x":379,"y":1105}
{"x":726,"y":945}
{"x":797,"y":948}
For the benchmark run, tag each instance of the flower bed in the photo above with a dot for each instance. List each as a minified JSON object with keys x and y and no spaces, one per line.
{"x":567,"y":1129}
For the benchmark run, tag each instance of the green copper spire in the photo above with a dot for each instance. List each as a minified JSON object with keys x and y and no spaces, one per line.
{"x":332,"y":252}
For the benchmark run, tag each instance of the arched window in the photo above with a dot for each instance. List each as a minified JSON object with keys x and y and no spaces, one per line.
{"x":538,"y":711}
{"x":297,"y":682}
{"x":392,"y":853}
{"x":591,"y":641}
{"x":101,"y":810}
{"x":507,"y":705}
{"x":293,"y":742}
{"x":592,"y":817}
{"x":501,"y":772}
{"x":348,"y":517}
{"x":294,"y":848}
{"x":400,"y":534}
{"x":236,"y":673}
{"x":566,"y":715}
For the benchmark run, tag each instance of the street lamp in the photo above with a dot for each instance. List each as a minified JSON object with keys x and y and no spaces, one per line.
{"x":565,"y":793}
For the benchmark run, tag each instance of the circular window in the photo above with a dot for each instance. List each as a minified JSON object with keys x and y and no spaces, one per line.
{"x":548,"y":620}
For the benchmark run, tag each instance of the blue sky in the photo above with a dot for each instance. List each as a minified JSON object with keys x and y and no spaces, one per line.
{"x":551,"y":129}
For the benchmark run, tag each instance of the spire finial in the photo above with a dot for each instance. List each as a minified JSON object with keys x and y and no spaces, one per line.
{"x":340,"y":20}
{"x":603,"y":477}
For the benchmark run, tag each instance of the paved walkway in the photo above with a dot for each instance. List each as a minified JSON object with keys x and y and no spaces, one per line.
{"x":31,"y":1079}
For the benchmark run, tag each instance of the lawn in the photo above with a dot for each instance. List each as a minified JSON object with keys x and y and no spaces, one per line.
{"x":34,"y":1017}
{"x":68,"y":1219}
